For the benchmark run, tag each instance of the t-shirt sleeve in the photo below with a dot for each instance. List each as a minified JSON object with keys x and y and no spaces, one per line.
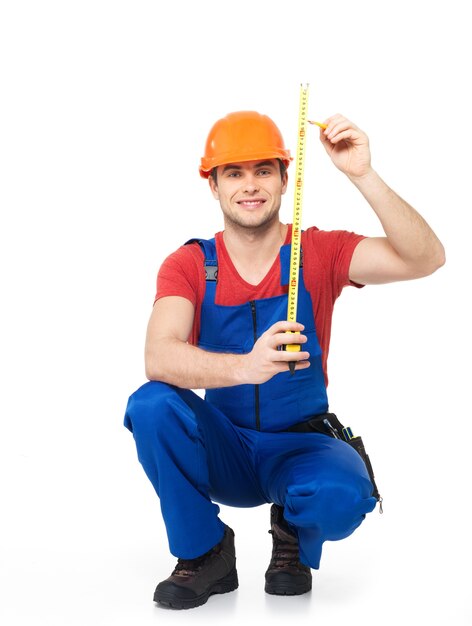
{"x":180,"y":274}
{"x":334,"y":250}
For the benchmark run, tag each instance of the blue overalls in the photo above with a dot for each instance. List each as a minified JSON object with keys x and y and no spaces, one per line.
{"x":230,"y":448}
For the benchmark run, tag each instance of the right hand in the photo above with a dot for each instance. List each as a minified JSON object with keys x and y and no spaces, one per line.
{"x":347,"y":145}
{"x":266,"y":358}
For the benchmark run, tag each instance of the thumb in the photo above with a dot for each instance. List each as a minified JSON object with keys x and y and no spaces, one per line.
{"x":328,"y":146}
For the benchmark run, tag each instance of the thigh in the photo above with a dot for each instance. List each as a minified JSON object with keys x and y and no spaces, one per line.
{"x":301,"y":463}
{"x":228,"y":452}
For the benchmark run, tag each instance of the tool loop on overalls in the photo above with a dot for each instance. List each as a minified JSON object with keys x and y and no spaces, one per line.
{"x":329,"y":424}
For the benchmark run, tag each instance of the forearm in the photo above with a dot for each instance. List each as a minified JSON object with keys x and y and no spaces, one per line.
{"x":178,"y":363}
{"x":172,"y":361}
{"x":407,"y":232}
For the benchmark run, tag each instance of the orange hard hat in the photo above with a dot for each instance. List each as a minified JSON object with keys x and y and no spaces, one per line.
{"x":243,"y":136}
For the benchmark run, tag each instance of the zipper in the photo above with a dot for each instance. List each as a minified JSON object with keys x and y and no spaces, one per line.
{"x":256,"y":387}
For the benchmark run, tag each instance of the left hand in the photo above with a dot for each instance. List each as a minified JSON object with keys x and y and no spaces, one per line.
{"x":347,"y":145}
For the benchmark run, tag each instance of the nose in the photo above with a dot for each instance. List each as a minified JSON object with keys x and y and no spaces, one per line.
{"x":250,"y":184}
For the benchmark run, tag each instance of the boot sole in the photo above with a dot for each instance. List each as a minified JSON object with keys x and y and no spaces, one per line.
{"x":224,"y":585}
{"x":287,"y":587}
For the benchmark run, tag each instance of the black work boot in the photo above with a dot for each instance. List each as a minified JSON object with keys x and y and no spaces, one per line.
{"x":285,"y":576}
{"x":193,"y":581}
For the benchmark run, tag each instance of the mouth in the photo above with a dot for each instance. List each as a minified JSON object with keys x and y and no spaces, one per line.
{"x":253,"y":203}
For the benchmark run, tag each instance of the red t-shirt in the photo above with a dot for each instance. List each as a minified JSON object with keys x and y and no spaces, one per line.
{"x":326,"y":259}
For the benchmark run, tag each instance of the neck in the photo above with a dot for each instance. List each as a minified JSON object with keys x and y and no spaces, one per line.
{"x":252,"y":251}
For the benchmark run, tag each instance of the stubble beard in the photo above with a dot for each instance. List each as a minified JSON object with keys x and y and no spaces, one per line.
{"x":251,"y":225}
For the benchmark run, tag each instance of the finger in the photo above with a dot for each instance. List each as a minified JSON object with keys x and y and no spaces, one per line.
{"x":345,"y":135}
{"x":284,"y":356}
{"x":338,"y":127}
{"x":324,"y":137}
{"x":327,"y":145}
{"x":299,"y":365}
{"x":333,"y":120}
{"x":284,"y":326}
{"x":284,"y":339}
{"x":302,"y":365}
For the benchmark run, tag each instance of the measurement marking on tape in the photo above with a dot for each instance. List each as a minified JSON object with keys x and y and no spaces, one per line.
{"x":297,"y":213}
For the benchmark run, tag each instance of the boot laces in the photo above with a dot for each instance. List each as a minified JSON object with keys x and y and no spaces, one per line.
{"x":190,"y":567}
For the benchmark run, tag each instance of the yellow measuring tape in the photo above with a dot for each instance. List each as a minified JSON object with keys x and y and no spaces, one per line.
{"x":297,"y":220}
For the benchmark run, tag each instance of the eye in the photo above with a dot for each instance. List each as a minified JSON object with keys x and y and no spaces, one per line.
{"x":264,"y":172}
{"x":233,"y":174}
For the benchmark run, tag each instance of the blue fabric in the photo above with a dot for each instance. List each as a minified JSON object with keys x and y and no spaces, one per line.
{"x":198,"y":452}
{"x":195,"y":456}
{"x":284,"y":400}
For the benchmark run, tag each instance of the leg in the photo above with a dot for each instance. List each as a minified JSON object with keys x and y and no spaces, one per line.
{"x":191,"y":452}
{"x":323,"y":485}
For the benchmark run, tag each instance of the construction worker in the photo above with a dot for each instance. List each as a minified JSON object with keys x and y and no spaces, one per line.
{"x":261,"y":435}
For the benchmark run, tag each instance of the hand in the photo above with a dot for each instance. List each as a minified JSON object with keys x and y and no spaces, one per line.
{"x":347,"y":145}
{"x":266,"y":359}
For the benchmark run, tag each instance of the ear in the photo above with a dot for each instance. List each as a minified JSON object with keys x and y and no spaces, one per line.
{"x":213,"y":187}
{"x":284,"y":183}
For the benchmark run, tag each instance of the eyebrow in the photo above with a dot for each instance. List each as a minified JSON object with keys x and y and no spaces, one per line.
{"x":231,"y":166}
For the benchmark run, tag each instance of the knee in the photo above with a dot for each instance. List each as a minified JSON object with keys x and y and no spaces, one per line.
{"x":343,"y":505}
{"x":149,"y":407}
{"x":335,"y":507}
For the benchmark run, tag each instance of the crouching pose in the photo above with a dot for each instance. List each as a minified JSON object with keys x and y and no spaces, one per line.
{"x":262,"y":434}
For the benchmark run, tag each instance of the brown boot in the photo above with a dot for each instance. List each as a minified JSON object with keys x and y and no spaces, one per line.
{"x":285,"y":576}
{"x":193,"y":581}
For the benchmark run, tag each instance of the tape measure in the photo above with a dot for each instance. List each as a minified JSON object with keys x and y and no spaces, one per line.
{"x":297,"y":220}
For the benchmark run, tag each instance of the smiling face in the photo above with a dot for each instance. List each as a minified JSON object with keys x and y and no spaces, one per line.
{"x":250,"y":193}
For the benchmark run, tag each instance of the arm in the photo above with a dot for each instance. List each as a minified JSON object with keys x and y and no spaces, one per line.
{"x":410,"y":248}
{"x":170,"y":359}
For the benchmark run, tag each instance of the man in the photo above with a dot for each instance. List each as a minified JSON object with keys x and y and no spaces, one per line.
{"x":218,"y":324}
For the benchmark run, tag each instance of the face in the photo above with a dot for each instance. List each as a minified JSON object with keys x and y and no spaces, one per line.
{"x":250,"y":193}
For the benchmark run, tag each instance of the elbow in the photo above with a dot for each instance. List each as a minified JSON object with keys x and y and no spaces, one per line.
{"x":434,"y":262}
{"x":152,"y":369}
{"x":160,"y":361}
{"x":151,"y":373}
{"x":155,"y":374}
{"x":442,"y":257}
{"x":439,"y":259}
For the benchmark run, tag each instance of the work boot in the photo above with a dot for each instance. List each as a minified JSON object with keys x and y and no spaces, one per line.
{"x":193,"y":581}
{"x":285,"y":576}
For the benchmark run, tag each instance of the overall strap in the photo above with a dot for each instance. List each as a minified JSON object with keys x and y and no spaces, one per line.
{"x":208,"y":247}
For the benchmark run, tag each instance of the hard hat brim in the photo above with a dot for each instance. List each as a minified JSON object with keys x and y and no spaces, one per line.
{"x":208,"y":164}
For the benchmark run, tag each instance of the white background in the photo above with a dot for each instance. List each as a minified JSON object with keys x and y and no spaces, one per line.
{"x":104,"y":111}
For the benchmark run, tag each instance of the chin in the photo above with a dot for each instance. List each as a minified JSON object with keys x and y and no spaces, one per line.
{"x":253,"y":221}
